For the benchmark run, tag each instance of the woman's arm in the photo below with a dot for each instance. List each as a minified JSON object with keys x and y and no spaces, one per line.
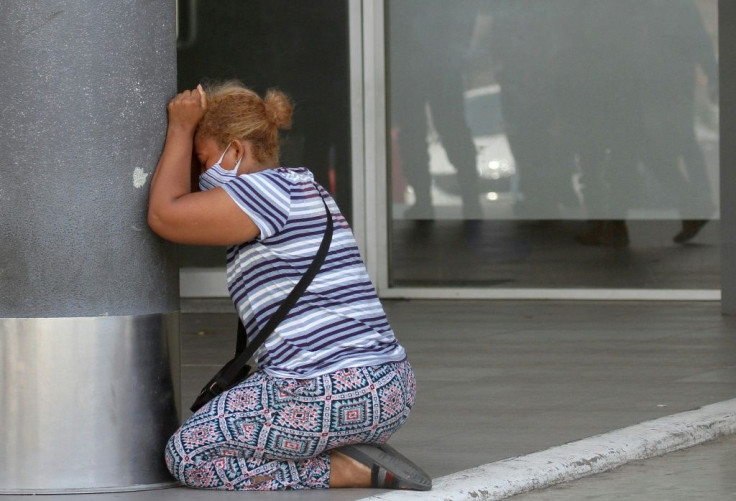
{"x":174,"y":212}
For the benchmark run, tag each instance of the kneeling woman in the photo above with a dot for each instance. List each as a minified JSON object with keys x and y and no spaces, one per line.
{"x":333,"y":383}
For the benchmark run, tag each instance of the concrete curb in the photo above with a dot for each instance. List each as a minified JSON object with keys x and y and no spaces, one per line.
{"x":571,"y":461}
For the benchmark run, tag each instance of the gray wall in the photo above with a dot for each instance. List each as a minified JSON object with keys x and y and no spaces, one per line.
{"x":84,"y":87}
{"x":727,"y":46}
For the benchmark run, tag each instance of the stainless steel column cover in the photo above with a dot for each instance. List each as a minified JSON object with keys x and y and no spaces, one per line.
{"x":86,"y":290}
{"x":87,"y":403}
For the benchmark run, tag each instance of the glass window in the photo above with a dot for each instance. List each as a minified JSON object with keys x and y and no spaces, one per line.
{"x":298,"y":46}
{"x":553,"y":143}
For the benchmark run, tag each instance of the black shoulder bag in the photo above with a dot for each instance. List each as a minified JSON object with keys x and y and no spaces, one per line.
{"x":237,"y":369}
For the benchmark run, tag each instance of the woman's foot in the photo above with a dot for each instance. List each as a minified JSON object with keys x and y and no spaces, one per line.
{"x":347,"y":472}
{"x":380,"y":466}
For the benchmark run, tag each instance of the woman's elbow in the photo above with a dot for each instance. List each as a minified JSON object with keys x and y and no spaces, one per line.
{"x":156,"y":224}
{"x":166,"y":227}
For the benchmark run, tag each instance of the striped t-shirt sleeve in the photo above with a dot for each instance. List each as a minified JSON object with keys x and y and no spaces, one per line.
{"x":266,"y":199}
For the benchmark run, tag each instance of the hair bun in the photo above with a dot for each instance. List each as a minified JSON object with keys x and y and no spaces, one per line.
{"x":278,"y":108}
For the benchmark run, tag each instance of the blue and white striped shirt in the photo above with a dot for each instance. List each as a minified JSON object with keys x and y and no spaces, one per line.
{"x":339,"y":321}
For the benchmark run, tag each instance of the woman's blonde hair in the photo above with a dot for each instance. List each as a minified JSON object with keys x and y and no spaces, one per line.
{"x":236,"y":112}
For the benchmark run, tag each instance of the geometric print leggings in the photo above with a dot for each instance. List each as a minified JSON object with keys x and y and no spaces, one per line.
{"x":270,"y":433}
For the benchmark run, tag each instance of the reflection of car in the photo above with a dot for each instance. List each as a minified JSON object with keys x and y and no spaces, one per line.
{"x":495,"y":163}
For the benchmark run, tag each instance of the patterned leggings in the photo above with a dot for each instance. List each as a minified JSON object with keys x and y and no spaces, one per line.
{"x":272,"y":433}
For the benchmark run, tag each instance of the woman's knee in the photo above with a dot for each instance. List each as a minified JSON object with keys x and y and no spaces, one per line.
{"x":180,"y":463}
{"x":198,"y":475}
{"x":173,"y":459}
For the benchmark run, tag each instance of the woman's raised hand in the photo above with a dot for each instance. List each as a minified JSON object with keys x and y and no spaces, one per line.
{"x":187,"y":109}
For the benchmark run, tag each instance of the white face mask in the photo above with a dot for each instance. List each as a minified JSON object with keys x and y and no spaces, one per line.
{"x":217,"y":176}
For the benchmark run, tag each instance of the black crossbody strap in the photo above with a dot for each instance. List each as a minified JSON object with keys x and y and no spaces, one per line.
{"x":242,"y":340}
{"x":242,"y":357}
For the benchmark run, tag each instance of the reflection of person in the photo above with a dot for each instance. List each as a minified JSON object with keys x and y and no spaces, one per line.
{"x":523,"y":45}
{"x":599,"y":95}
{"x":676,"y":44}
{"x":627,"y":79}
{"x":429,"y":40}
{"x":332,"y":375}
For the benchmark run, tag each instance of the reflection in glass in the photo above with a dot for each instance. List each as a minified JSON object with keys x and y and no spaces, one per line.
{"x":597,"y":119}
{"x":427,"y":86}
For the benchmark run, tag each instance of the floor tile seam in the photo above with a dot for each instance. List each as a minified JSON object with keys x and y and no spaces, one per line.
{"x":596,"y":454}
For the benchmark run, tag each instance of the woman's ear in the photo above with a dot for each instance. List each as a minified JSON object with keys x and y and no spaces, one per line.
{"x":245,"y":153}
{"x":238,"y":147}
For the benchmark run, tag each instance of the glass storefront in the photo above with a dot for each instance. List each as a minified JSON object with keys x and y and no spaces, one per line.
{"x":492,"y":145}
{"x":552,"y":143}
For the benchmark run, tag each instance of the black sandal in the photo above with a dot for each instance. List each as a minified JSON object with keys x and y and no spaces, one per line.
{"x":389,"y":468}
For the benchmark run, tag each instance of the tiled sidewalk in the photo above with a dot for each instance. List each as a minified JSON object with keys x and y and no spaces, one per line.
{"x":501,"y":379}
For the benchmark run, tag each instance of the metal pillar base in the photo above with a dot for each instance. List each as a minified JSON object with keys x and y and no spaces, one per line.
{"x":88,"y":403}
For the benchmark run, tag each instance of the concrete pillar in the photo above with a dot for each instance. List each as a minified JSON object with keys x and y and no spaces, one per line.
{"x":727,"y":63}
{"x":88,"y":295}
